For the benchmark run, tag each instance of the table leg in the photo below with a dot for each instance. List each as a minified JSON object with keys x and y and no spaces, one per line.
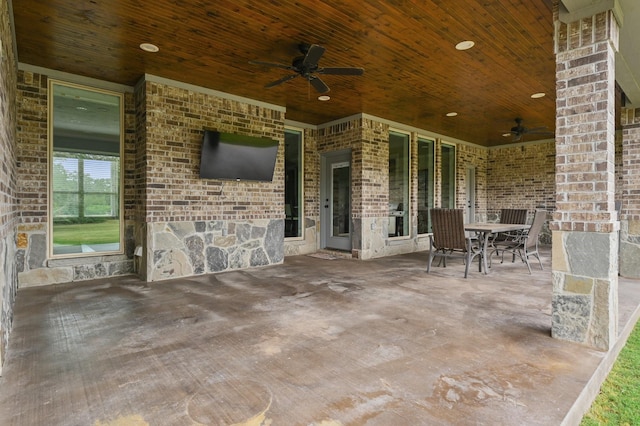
{"x":485,"y":244}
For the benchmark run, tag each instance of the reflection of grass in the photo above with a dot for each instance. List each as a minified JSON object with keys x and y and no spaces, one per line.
{"x":87,"y":233}
{"x":619,"y":398}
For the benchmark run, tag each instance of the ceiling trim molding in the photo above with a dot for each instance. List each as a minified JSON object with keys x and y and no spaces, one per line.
{"x":521,"y":144}
{"x":400,"y":126}
{"x":75,"y":78}
{"x":204,"y":90}
{"x":300,"y":125}
{"x":574,"y":10}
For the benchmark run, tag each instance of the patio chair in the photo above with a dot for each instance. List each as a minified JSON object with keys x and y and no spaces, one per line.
{"x":518,"y":216}
{"x":526,"y":244}
{"x":449,"y":239}
{"x":513,"y":216}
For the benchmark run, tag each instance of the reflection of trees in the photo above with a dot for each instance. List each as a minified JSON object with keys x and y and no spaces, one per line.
{"x":77,"y":194}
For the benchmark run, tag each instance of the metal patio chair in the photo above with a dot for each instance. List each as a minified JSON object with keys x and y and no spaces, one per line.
{"x":518,"y":216}
{"x":449,"y":238}
{"x":525,"y":245}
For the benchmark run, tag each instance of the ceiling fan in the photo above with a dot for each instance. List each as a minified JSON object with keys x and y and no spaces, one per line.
{"x":307,"y":67}
{"x":518,"y":131}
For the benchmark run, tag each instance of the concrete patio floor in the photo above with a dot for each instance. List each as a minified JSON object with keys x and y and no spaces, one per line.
{"x":310,"y":342}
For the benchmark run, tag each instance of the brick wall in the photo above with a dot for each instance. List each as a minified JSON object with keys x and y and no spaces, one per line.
{"x":194,"y":225}
{"x":629,"y":192}
{"x":522,"y":177}
{"x":33,"y":266}
{"x":375,"y":167}
{"x":9,"y":214}
{"x":630,"y":152}
{"x":585,"y":124}
{"x":174,"y":123}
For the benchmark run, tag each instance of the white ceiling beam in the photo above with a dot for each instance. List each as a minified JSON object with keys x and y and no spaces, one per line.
{"x":574,"y":10}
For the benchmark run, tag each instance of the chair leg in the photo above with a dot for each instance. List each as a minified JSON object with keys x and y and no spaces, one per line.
{"x":537,"y":255}
{"x":526,"y":259}
{"x":466,"y":264}
{"x":429,"y":261}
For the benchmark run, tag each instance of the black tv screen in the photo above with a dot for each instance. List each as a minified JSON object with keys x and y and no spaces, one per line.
{"x":238,"y":157}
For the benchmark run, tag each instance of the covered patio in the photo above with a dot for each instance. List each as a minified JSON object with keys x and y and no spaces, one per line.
{"x":318,"y":340}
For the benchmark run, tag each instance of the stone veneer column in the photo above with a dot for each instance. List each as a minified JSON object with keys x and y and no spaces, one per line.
{"x":630,"y":220}
{"x":584,"y":226}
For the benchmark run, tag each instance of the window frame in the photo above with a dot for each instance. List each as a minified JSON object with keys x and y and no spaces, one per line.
{"x":407,"y":207}
{"x":431,"y":183}
{"x":454,"y":174}
{"x":52,"y":83}
{"x":300,"y":182}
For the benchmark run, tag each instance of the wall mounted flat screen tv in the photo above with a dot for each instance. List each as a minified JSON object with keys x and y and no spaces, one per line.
{"x":238,"y":157}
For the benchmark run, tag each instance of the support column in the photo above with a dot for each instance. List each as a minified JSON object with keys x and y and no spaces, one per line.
{"x":585,"y":226}
{"x":630,"y":220}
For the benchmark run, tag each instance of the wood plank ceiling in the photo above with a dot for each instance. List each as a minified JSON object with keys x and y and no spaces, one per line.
{"x":413,"y":73}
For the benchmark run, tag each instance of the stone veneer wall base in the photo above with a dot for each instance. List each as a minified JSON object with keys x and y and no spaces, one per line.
{"x":181,"y":249}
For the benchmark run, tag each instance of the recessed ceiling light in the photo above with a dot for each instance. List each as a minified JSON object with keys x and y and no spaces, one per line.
{"x":148,"y":47}
{"x":452,"y":114}
{"x":538,"y":95}
{"x":324,"y":97}
{"x":464,"y":45}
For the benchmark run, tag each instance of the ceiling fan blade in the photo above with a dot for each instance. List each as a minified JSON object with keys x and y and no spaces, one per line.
{"x":272,"y":64}
{"x":543,"y":129}
{"x":341,"y":71}
{"x":313,"y":55}
{"x":280,"y":81}
{"x":318,"y":84}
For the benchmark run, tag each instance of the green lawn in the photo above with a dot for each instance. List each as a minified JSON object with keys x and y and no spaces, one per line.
{"x":619,"y":400}
{"x":104,"y":232}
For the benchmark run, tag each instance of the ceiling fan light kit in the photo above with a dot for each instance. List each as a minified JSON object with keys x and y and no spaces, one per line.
{"x":307,"y":67}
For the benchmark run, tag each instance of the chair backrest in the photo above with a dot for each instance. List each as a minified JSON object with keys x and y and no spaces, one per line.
{"x":448,"y":229}
{"x":518,"y":216}
{"x":534,"y":232}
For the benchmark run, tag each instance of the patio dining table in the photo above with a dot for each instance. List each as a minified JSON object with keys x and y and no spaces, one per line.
{"x":484,"y":231}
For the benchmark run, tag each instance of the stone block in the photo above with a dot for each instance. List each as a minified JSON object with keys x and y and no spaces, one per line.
{"x":217,"y":259}
{"x":258,"y":258}
{"x":571,"y":316}
{"x":274,"y":240}
{"x":22,"y":240}
{"x":558,"y":253}
{"x":195,"y":249}
{"x":578,"y":285}
{"x":37,"y":253}
{"x":589,"y":253}
{"x":45,"y":276}
{"x":171,"y":264}
{"x":634,"y":227}
{"x":629,"y":260}
{"x":166,"y":241}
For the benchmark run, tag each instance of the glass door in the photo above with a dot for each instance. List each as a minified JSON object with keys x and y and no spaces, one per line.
{"x":336,"y":201}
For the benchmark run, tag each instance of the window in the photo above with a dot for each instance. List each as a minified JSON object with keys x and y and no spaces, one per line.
{"x":398,"y":184}
{"x":293,"y":174}
{"x":84,"y":170}
{"x":448,"y":174}
{"x":425,"y":184}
